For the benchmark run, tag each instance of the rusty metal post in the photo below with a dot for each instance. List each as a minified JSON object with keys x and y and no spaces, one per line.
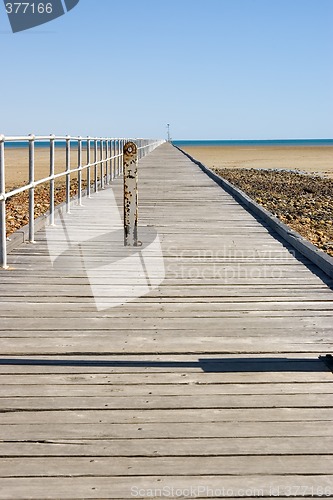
{"x":130,"y":162}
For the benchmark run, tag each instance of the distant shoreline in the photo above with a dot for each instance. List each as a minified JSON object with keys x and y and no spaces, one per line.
{"x":240,"y":143}
{"x":282,"y":155}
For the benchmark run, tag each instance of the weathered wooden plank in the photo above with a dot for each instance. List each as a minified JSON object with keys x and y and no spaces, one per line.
{"x":178,"y":273}
{"x":309,"y":333}
{"x":312,"y":319}
{"x":168,"y":402}
{"x":165,"y":466}
{"x":168,"y":447}
{"x":180,"y":253}
{"x":248,"y":382}
{"x":53,"y":431}
{"x":201,"y":295}
{"x":284,"y":414}
{"x":226,"y":257}
{"x":108,"y":388}
{"x":181,"y":309}
{"x":140,"y":344}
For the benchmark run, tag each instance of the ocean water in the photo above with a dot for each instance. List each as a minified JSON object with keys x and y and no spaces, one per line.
{"x":184,"y":143}
{"x":277,"y":142}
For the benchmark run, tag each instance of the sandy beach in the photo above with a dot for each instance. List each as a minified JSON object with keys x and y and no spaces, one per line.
{"x":308,"y":159}
{"x":314,"y":159}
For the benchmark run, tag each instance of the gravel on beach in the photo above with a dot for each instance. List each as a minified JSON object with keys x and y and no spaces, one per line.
{"x":17,"y":207}
{"x":303,"y":201}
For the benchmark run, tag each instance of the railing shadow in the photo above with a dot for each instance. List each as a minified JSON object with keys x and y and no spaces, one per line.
{"x":208,"y":365}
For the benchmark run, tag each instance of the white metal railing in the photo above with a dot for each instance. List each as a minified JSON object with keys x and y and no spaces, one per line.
{"x":103,"y":158}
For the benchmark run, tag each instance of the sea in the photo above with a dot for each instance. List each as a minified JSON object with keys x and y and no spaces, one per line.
{"x":275,"y":142}
{"x":188,"y":143}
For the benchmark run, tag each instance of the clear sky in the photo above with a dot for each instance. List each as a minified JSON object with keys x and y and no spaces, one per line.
{"x":213,"y":69}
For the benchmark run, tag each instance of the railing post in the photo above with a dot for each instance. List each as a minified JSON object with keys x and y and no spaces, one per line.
{"x":107,"y":178}
{"x":52,"y":180}
{"x":111,"y":160}
{"x":115,"y":158}
{"x":32,"y":188}
{"x":121,"y":157}
{"x":113,"y":164}
{"x":79,"y":174}
{"x":118,"y":157}
{"x":88,"y":168}
{"x":130,"y":163}
{"x":3,"y":244}
{"x":101,"y":154}
{"x":68,"y":175}
{"x":95,"y":166}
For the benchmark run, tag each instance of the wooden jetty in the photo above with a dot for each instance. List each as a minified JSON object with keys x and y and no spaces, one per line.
{"x":208,"y":386}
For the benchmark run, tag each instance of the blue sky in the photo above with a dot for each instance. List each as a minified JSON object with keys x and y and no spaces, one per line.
{"x":213,"y":69}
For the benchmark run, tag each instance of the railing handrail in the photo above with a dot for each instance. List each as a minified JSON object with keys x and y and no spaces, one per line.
{"x":110,"y":153}
{"x":27,"y":138}
{"x":3,"y":139}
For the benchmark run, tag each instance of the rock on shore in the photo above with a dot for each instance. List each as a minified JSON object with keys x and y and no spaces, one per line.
{"x":17,"y":207}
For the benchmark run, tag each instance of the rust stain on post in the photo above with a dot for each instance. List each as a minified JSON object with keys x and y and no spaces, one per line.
{"x":130,"y":159}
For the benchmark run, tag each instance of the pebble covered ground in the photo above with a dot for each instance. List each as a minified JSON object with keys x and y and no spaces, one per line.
{"x":303,"y":201}
{"x":17,"y":207}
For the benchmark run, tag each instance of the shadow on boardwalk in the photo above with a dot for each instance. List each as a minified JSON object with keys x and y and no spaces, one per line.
{"x":218,"y":365}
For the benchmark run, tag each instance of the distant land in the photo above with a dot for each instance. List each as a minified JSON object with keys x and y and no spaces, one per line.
{"x":256,"y":142}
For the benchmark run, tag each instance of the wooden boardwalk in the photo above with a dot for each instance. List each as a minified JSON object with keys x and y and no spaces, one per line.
{"x":208,"y":386}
